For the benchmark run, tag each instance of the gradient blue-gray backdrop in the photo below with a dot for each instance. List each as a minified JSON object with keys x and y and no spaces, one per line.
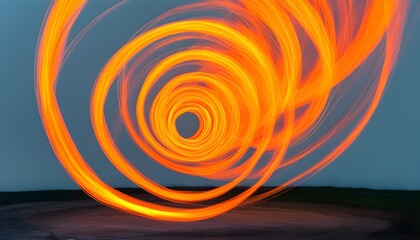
{"x":385,"y":156}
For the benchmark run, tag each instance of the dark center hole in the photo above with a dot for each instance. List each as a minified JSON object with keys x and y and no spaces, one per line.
{"x":187,"y":124}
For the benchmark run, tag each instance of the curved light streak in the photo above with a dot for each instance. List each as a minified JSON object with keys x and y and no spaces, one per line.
{"x":249,"y":91}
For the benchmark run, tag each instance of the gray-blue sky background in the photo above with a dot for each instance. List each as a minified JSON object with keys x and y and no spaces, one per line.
{"x":386,"y":155}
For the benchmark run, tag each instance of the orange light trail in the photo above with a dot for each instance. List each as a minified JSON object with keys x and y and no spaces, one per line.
{"x":266,"y":74}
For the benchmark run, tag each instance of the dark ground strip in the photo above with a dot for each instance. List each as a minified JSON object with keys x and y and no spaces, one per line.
{"x":301,"y":213}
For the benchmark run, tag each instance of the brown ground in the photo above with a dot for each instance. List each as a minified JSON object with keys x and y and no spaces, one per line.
{"x":86,"y":219}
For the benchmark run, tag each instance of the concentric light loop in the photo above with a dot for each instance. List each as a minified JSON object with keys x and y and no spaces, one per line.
{"x":262,"y":77}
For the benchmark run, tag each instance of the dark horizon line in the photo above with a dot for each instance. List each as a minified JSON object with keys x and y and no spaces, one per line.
{"x":361,"y":197}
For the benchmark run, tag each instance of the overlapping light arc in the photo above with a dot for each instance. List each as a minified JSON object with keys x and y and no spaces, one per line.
{"x":249,"y":90}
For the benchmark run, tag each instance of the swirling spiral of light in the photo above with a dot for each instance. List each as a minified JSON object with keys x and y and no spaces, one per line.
{"x":261,"y":78}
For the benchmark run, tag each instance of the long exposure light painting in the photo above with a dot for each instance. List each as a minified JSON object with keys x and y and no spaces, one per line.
{"x":261,"y":77}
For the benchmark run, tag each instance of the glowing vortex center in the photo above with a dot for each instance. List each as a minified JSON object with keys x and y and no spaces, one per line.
{"x":187,"y":125}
